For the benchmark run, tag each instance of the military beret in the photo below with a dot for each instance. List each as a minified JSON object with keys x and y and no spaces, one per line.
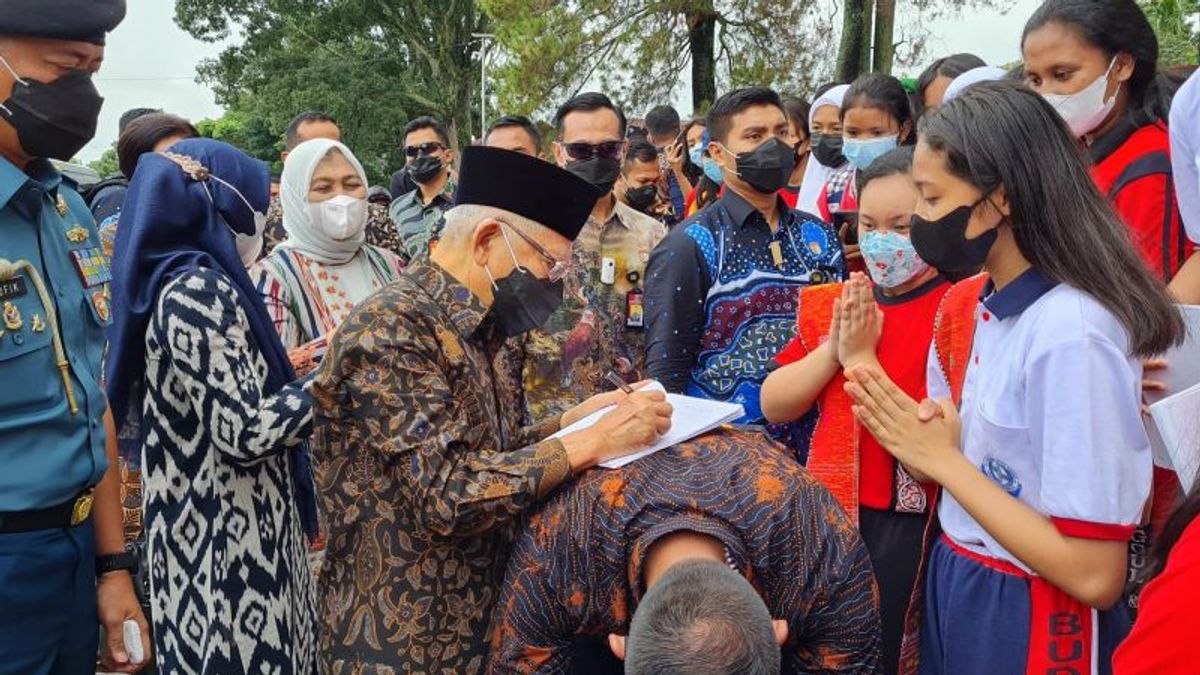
{"x":526,"y":186}
{"x":77,"y":20}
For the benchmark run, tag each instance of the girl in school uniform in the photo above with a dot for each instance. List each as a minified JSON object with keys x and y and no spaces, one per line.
{"x":889,"y":324}
{"x":1046,"y":472}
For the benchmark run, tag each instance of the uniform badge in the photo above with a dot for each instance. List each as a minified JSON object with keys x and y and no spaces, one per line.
{"x":92,"y":266}
{"x":12,"y":317}
{"x":61,"y":205}
{"x":100,"y":302}
{"x":78,"y":235}
{"x":37,"y":324}
{"x":13,"y":288}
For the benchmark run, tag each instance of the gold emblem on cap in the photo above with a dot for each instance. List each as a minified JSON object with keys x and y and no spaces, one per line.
{"x":61,"y":205}
{"x":100,"y":302}
{"x":37,"y":323}
{"x":12,"y":317}
{"x":77,"y":235}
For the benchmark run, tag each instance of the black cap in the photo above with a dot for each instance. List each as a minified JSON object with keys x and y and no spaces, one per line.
{"x":76,"y":20}
{"x":526,"y":186}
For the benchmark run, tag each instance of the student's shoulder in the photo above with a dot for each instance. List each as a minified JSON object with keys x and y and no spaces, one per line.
{"x":1066,"y":314}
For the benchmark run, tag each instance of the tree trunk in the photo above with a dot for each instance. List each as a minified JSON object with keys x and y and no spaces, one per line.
{"x":885,"y":39}
{"x":702,"y":34}
{"x":854,"y":51}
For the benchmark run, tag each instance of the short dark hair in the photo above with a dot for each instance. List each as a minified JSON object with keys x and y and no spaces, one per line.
{"x":720,"y":115}
{"x":701,"y":618}
{"x":797,"y":111}
{"x":143,"y":133}
{"x":522,"y":121}
{"x":131,"y":115}
{"x":588,"y":102}
{"x":948,"y":66}
{"x":662,"y":120}
{"x":892,"y":163}
{"x":426,"y":122}
{"x":291,"y":136}
{"x":883,"y":92}
{"x":640,"y":150}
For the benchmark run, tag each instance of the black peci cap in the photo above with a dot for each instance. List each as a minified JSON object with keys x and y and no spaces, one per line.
{"x":76,"y":20}
{"x":526,"y":186}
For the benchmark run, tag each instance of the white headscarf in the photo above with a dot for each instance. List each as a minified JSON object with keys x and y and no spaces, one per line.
{"x":817,"y":174}
{"x":302,"y":234}
{"x":972,"y":77}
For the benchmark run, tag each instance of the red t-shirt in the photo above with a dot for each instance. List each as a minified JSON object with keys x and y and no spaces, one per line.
{"x":903,"y":352}
{"x":1163,"y":640}
{"x":1132,"y":167}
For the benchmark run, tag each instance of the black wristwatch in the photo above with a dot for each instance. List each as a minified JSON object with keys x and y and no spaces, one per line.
{"x":115,"y":562}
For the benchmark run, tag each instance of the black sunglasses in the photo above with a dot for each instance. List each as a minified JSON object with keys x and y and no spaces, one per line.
{"x":423,"y":150}
{"x":585,"y":151}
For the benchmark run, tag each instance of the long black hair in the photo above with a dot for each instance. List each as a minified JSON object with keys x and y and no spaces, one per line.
{"x":882,"y":92}
{"x":948,"y":66}
{"x":1062,"y":224}
{"x":1115,"y":26}
{"x":690,"y":169}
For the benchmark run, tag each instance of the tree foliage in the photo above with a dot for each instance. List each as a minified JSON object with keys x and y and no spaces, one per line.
{"x":639,"y":50}
{"x":1176,"y":25}
{"x":106,"y":164}
{"x":373,"y":65}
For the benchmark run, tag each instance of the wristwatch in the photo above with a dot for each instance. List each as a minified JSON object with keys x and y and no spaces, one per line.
{"x":115,"y":562}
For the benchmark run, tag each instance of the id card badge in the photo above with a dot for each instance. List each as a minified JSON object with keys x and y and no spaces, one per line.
{"x":635,"y":309}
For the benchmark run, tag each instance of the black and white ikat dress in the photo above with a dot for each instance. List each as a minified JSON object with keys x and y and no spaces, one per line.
{"x":230,"y":587}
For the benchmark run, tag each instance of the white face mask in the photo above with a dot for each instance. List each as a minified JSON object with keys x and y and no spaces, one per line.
{"x":340,"y":218}
{"x":1084,"y":110}
{"x":250,"y":246}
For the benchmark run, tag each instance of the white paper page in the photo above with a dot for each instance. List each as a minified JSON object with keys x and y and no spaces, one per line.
{"x":1177,"y":423}
{"x":1183,"y":362}
{"x":690,"y":417}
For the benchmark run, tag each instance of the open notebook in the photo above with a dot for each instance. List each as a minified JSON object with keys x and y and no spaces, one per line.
{"x":1175,"y":433}
{"x":690,"y":418}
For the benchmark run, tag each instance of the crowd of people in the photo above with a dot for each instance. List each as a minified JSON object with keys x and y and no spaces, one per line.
{"x":304,"y":424}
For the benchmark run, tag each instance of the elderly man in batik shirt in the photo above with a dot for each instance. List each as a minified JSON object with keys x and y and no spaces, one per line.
{"x":422,"y":466}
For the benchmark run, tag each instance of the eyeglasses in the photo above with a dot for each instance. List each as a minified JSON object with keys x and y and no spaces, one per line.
{"x":558,"y":268}
{"x":423,"y":150}
{"x":586,"y":151}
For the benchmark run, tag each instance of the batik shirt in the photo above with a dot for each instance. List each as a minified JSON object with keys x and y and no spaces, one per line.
{"x":566,"y":360}
{"x":721,"y":294}
{"x":422,"y":470}
{"x":576,"y":568}
{"x":419,"y":223}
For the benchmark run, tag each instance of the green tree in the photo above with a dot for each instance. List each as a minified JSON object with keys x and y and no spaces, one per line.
{"x":372,"y":65}
{"x":639,"y":50}
{"x":106,"y":165}
{"x":1175,"y":24}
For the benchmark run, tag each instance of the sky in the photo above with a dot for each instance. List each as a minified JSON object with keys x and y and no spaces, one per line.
{"x":150,"y":62}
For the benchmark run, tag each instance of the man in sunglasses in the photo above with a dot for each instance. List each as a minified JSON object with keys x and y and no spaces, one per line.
{"x":598,"y":328}
{"x":423,"y":466}
{"x":417,"y":212}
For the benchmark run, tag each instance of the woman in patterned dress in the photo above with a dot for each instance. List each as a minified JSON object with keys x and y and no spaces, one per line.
{"x":312,"y":280}
{"x":196,"y":372}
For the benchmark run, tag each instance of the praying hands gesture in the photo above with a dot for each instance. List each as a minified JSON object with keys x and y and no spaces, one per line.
{"x":924,"y":438}
{"x":857,"y":324}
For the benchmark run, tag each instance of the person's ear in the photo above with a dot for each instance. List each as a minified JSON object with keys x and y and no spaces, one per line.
{"x":486,"y":238}
{"x":617,"y":644}
{"x":449,"y":157}
{"x":1123,"y":69}
{"x":999,"y":200}
{"x":560,"y":154}
{"x":781,"y":631}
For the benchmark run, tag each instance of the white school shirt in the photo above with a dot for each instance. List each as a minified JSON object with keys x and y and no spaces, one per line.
{"x":1185,"y":153}
{"x":1051,"y":413}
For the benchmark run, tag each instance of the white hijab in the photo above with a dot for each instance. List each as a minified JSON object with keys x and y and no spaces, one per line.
{"x":302,"y":234}
{"x":817,"y":174}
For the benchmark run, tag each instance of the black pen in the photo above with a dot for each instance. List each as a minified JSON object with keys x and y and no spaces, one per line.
{"x":617,"y":382}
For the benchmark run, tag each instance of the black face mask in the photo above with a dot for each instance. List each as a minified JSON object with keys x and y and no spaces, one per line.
{"x":827,"y":148}
{"x":522,"y":302}
{"x":642,"y":198}
{"x":56,"y":119}
{"x":425,"y":169}
{"x":599,"y":171}
{"x":943,"y":242}
{"x":768,"y":167}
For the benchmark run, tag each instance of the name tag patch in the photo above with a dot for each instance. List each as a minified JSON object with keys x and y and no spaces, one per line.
{"x":13,"y":288}
{"x":92,"y":266}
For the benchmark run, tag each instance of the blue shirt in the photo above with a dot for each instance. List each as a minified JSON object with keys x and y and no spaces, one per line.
{"x":47,"y":453}
{"x":721,"y":294}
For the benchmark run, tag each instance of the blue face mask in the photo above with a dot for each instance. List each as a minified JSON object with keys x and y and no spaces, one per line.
{"x":713,"y":171}
{"x":861,"y":152}
{"x":890,"y":258}
{"x":696,"y":153}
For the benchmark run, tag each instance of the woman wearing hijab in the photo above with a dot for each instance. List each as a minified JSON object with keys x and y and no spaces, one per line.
{"x":324,"y":268}
{"x":825,"y":138}
{"x":198,"y":380}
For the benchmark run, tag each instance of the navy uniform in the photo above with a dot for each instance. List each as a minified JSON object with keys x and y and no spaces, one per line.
{"x":54,"y":307}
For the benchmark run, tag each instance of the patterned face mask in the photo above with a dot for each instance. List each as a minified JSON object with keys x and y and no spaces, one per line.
{"x":891,"y":259}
